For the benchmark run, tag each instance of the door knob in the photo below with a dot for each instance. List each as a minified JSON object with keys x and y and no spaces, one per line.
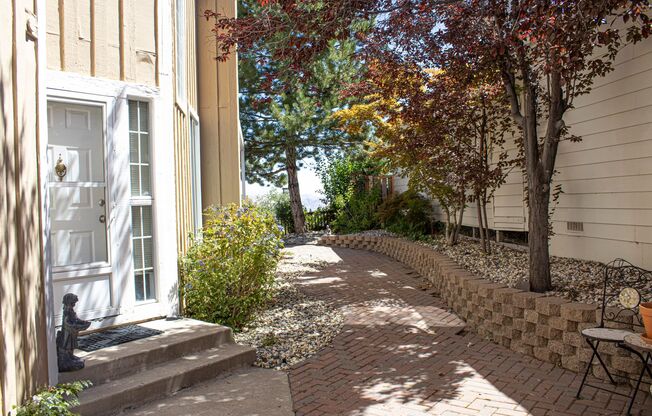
{"x":101,"y":202}
{"x":60,"y":168}
{"x":102,"y":218}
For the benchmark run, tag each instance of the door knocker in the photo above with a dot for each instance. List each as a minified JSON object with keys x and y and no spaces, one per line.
{"x":60,"y":168}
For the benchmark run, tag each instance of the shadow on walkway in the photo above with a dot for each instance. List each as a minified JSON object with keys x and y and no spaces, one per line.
{"x":403,"y":352}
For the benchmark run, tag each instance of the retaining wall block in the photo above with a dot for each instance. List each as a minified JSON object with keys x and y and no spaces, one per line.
{"x":549,"y":305}
{"x":563,"y":324}
{"x":544,"y":354}
{"x":574,"y":339}
{"x":579,"y":312}
{"x":572,"y":363}
{"x":526,"y":300}
{"x":531,"y":316}
{"x":626,"y":364}
{"x":558,"y":346}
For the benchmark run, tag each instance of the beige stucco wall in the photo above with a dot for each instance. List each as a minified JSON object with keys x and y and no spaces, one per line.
{"x":114,"y":39}
{"x":23,"y":351}
{"x":218,"y":113}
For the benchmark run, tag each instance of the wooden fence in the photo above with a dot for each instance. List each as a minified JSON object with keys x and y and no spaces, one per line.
{"x":316,"y":220}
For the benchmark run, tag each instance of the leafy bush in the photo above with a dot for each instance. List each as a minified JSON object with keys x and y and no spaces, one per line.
{"x":53,"y":401}
{"x":278,"y":205}
{"x":342,"y":176}
{"x":359,"y":213}
{"x":343,"y":180}
{"x":229,"y":270}
{"x":407,"y":214}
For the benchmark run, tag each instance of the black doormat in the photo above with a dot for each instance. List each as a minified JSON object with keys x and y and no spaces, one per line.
{"x":114,"y":336}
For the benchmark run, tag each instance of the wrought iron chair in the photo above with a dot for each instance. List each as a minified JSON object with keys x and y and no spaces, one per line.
{"x":625,"y":288}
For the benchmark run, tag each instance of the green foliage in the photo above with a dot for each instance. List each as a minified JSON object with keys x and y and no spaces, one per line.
{"x":344,"y":175}
{"x":228,"y":272}
{"x":406,"y":214}
{"x":343,"y":180}
{"x":278,"y":205}
{"x":286,"y":120}
{"x":359,"y":213}
{"x":53,"y":401}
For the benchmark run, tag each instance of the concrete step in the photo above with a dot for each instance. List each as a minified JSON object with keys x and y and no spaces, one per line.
{"x":179,"y":338}
{"x":246,"y":392}
{"x":162,"y":380}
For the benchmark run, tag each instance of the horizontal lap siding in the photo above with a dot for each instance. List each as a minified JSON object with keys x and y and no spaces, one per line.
{"x":85,"y":37}
{"x":509,"y":212}
{"x":607,"y":178}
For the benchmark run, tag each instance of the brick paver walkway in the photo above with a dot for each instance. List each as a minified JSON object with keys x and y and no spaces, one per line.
{"x":402,"y":352}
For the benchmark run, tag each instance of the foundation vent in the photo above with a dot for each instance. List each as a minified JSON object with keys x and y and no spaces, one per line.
{"x":575,"y":226}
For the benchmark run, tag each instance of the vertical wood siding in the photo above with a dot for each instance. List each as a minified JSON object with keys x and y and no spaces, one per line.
{"x":182,"y":179}
{"x":23,"y":351}
{"x":218,"y":111}
{"x":182,"y":117}
{"x":114,"y":39}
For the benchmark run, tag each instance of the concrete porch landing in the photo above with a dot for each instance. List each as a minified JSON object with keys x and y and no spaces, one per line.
{"x":248,"y":392}
{"x":130,"y":375}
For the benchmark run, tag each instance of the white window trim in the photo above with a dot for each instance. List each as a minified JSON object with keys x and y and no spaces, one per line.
{"x":144,"y":200}
{"x":180,"y":71}
{"x":195,"y":166}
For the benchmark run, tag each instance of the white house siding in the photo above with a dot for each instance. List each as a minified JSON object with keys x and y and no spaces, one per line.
{"x":606,"y":178}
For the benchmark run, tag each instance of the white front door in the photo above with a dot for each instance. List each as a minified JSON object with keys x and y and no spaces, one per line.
{"x":81,"y":259}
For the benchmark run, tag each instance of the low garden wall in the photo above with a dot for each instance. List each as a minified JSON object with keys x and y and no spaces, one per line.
{"x":545,"y":327}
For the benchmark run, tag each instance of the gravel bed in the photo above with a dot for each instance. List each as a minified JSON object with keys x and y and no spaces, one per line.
{"x":574,"y":279}
{"x":301,"y":239}
{"x":293,"y":326}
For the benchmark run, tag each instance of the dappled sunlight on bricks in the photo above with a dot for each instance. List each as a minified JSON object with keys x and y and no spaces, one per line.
{"x":403,"y":352}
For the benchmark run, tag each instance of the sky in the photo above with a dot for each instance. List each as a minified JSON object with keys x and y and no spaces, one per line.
{"x":309,"y":185}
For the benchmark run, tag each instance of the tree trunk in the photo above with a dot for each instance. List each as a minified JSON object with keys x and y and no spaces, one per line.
{"x":298,"y":217}
{"x":485,"y":225}
{"x":538,"y":200}
{"x":458,"y":226}
{"x":483,"y":240}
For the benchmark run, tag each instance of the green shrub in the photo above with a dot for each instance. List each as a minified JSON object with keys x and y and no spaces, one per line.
{"x":278,"y":204}
{"x":53,"y":401}
{"x":343,"y":179}
{"x":359,"y":213}
{"x":406,"y":214}
{"x":228,"y":272}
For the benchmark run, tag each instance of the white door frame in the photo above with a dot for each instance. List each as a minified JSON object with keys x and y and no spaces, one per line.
{"x":60,"y":84}
{"x":114,"y":95}
{"x":64,"y":273}
{"x":99,"y":267}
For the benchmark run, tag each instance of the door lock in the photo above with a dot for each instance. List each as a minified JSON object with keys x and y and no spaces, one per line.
{"x":102,"y":218}
{"x":101,"y":202}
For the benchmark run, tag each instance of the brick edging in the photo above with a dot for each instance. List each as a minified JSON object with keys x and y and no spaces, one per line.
{"x":544,"y":327}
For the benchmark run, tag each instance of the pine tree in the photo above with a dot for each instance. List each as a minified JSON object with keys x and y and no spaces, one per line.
{"x":286,"y":118}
